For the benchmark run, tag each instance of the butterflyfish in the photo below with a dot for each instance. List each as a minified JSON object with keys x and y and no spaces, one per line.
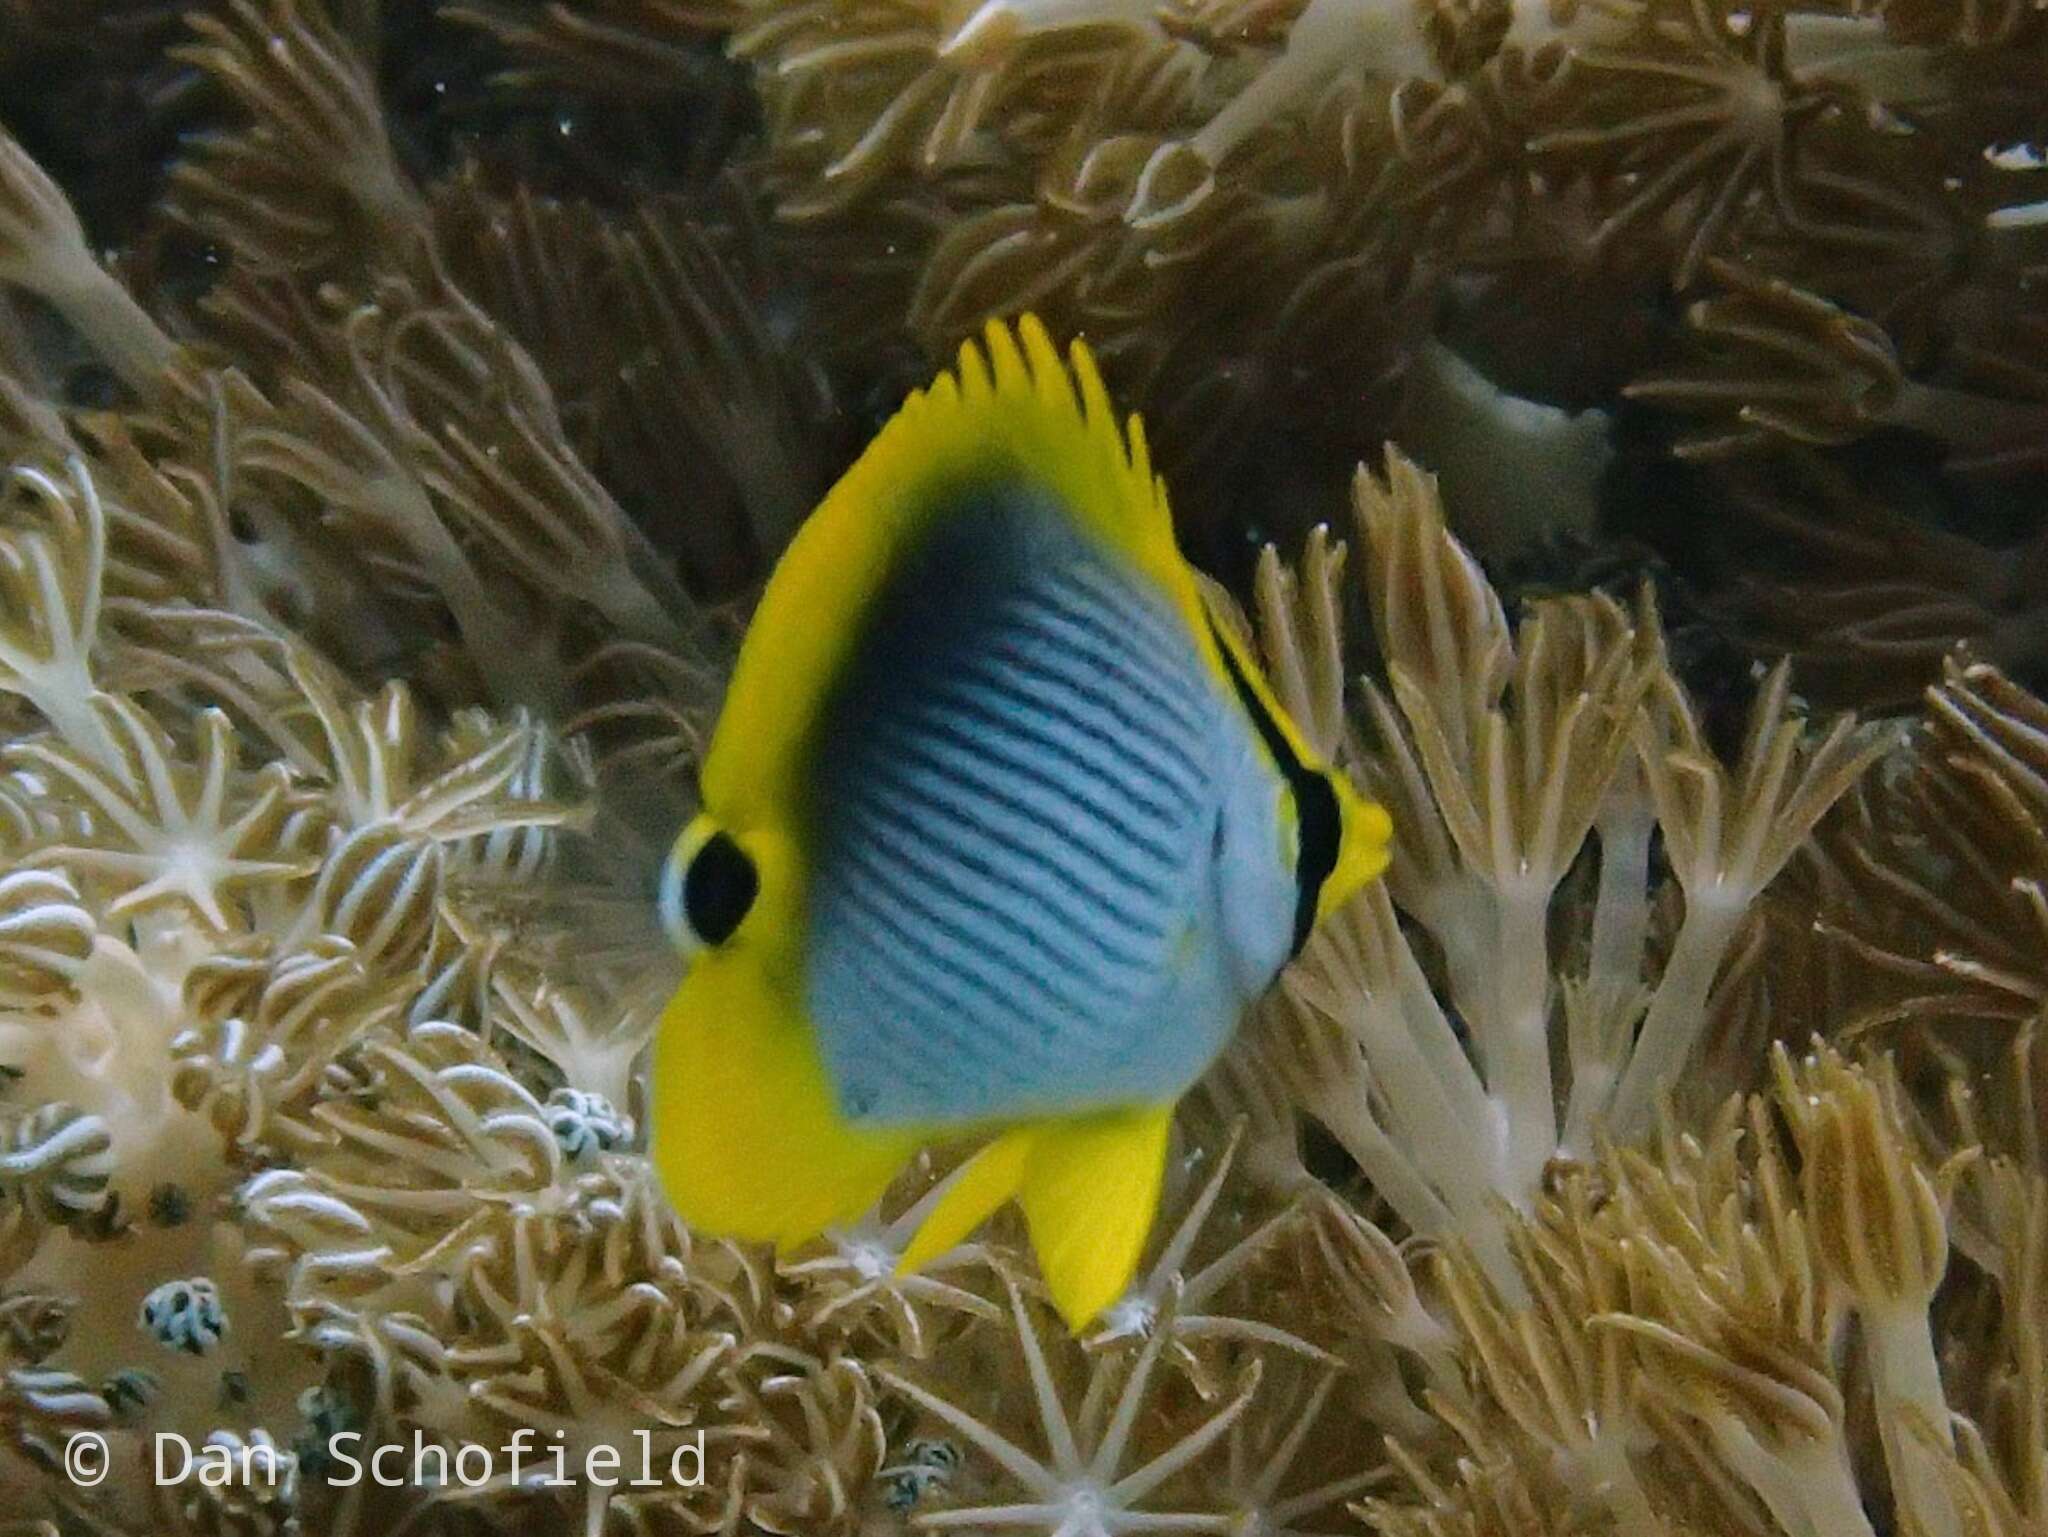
{"x":1002,"y":831}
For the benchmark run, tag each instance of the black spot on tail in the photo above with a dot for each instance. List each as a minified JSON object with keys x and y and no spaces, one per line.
{"x":1315,"y":803}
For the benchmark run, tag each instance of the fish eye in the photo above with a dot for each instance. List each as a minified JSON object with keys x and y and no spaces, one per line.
{"x":668,"y":903}
{"x":708,"y":886}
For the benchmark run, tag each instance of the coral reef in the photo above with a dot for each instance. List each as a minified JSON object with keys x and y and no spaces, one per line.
{"x":1260,"y":214}
{"x":393,"y":426}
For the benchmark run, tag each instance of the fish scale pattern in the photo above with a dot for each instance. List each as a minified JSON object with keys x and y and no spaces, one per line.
{"x":1017,"y":787}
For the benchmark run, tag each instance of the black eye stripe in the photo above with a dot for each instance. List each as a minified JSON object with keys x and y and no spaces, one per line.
{"x":1315,"y":802}
{"x":719,"y":889}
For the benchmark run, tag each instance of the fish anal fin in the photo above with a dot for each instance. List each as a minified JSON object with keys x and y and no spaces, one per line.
{"x":1089,"y":1194}
{"x":991,"y":1177}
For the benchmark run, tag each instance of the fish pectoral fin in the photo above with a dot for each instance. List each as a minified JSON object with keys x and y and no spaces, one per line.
{"x":974,"y":1191}
{"x":1090,"y":1190}
{"x":749,"y":1140}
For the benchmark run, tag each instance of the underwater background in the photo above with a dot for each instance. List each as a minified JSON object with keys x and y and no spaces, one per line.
{"x":1624,"y":429}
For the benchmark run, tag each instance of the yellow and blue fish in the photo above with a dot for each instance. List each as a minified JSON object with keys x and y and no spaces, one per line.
{"x":1002,"y":831}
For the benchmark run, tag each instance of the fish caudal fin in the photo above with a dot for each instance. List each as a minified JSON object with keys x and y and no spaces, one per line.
{"x":1089,"y":1188}
{"x":749,"y":1141}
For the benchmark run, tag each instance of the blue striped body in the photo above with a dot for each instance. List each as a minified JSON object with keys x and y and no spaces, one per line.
{"x":1046,"y":850}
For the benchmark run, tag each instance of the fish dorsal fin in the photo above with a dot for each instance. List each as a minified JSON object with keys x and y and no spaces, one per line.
{"x":1012,"y":411}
